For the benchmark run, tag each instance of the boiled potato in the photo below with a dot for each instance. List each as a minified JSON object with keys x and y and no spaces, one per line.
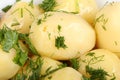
{"x":100,"y":62}
{"x":107,"y":27}
{"x":20,"y":17}
{"x":61,"y":36}
{"x":7,"y":67}
{"x":86,"y":8}
{"x":67,"y":73}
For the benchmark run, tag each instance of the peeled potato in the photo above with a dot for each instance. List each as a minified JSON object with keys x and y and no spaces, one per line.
{"x":7,"y":67}
{"x":107,"y":27}
{"x":61,"y":36}
{"x":67,"y":73}
{"x":20,"y":17}
{"x":101,"y":59}
{"x":86,"y":8}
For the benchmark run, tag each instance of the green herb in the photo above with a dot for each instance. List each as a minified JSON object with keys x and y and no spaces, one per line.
{"x":32,"y":70}
{"x":59,"y":42}
{"x":15,"y":23}
{"x":18,"y":0}
{"x":48,"y":5}
{"x":96,"y":74}
{"x":94,"y":59}
{"x":43,"y":19}
{"x":15,"y":11}
{"x":49,"y":34}
{"x":34,"y":67}
{"x":75,"y":63}
{"x":30,"y":12}
{"x":31,"y":4}
{"x":59,"y":28}
{"x":103,"y":21}
{"x":9,"y":39}
{"x":6,"y":8}
{"x":48,"y":71}
{"x":21,"y":12}
{"x":25,"y":38}
{"x":21,"y":57}
{"x":39,"y":21}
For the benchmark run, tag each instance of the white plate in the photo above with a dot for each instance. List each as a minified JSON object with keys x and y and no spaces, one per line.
{"x":4,"y":3}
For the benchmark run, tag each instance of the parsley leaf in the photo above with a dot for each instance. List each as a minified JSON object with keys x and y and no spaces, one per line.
{"x":10,"y":38}
{"x":48,"y":5}
{"x":59,"y":42}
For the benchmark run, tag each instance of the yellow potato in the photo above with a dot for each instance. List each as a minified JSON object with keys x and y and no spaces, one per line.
{"x":101,"y":59}
{"x":67,"y":73}
{"x":107,"y":27}
{"x":86,"y":8}
{"x":61,"y":36}
{"x":20,"y":17}
{"x":7,"y":67}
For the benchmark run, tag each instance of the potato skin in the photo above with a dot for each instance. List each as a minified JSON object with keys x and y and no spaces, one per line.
{"x":78,"y":34}
{"x":104,"y":59}
{"x":20,"y":17}
{"x":107,"y":27}
{"x":7,"y":67}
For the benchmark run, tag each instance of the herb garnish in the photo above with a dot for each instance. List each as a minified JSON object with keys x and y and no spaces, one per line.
{"x":59,"y":42}
{"x":96,"y":74}
{"x":75,"y":63}
{"x":103,"y":21}
{"x":5,"y":9}
{"x":31,"y":4}
{"x":10,"y":39}
{"x":48,"y":5}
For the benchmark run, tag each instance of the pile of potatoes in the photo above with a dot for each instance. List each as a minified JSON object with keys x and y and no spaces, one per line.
{"x":74,"y":29}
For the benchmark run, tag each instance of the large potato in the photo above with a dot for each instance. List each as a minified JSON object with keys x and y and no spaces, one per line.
{"x":64,"y":74}
{"x":61,"y":36}
{"x":20,"y":17}
{"x":108,"y":27}
{"x":7,"y":67}
{"x":100,"y":62}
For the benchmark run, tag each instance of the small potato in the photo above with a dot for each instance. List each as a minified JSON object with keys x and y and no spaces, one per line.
{"x":67,"y":73}
{"x":108,"y":27}
{"x":101,"y":61}
{"x":61,"y":36}
{"x":20,"y":17}
{"x":7,"y":67}
{"x":86,"y":8}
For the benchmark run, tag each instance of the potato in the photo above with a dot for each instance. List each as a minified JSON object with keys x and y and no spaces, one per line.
{"x":61,"y":36}
{"x":7,"y":67}
{"x":86,"y":8}
{"x":100,"y":60}
{"x":107,"y":27}
{"x":20,"y":17}
{"x":67,"y":73}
